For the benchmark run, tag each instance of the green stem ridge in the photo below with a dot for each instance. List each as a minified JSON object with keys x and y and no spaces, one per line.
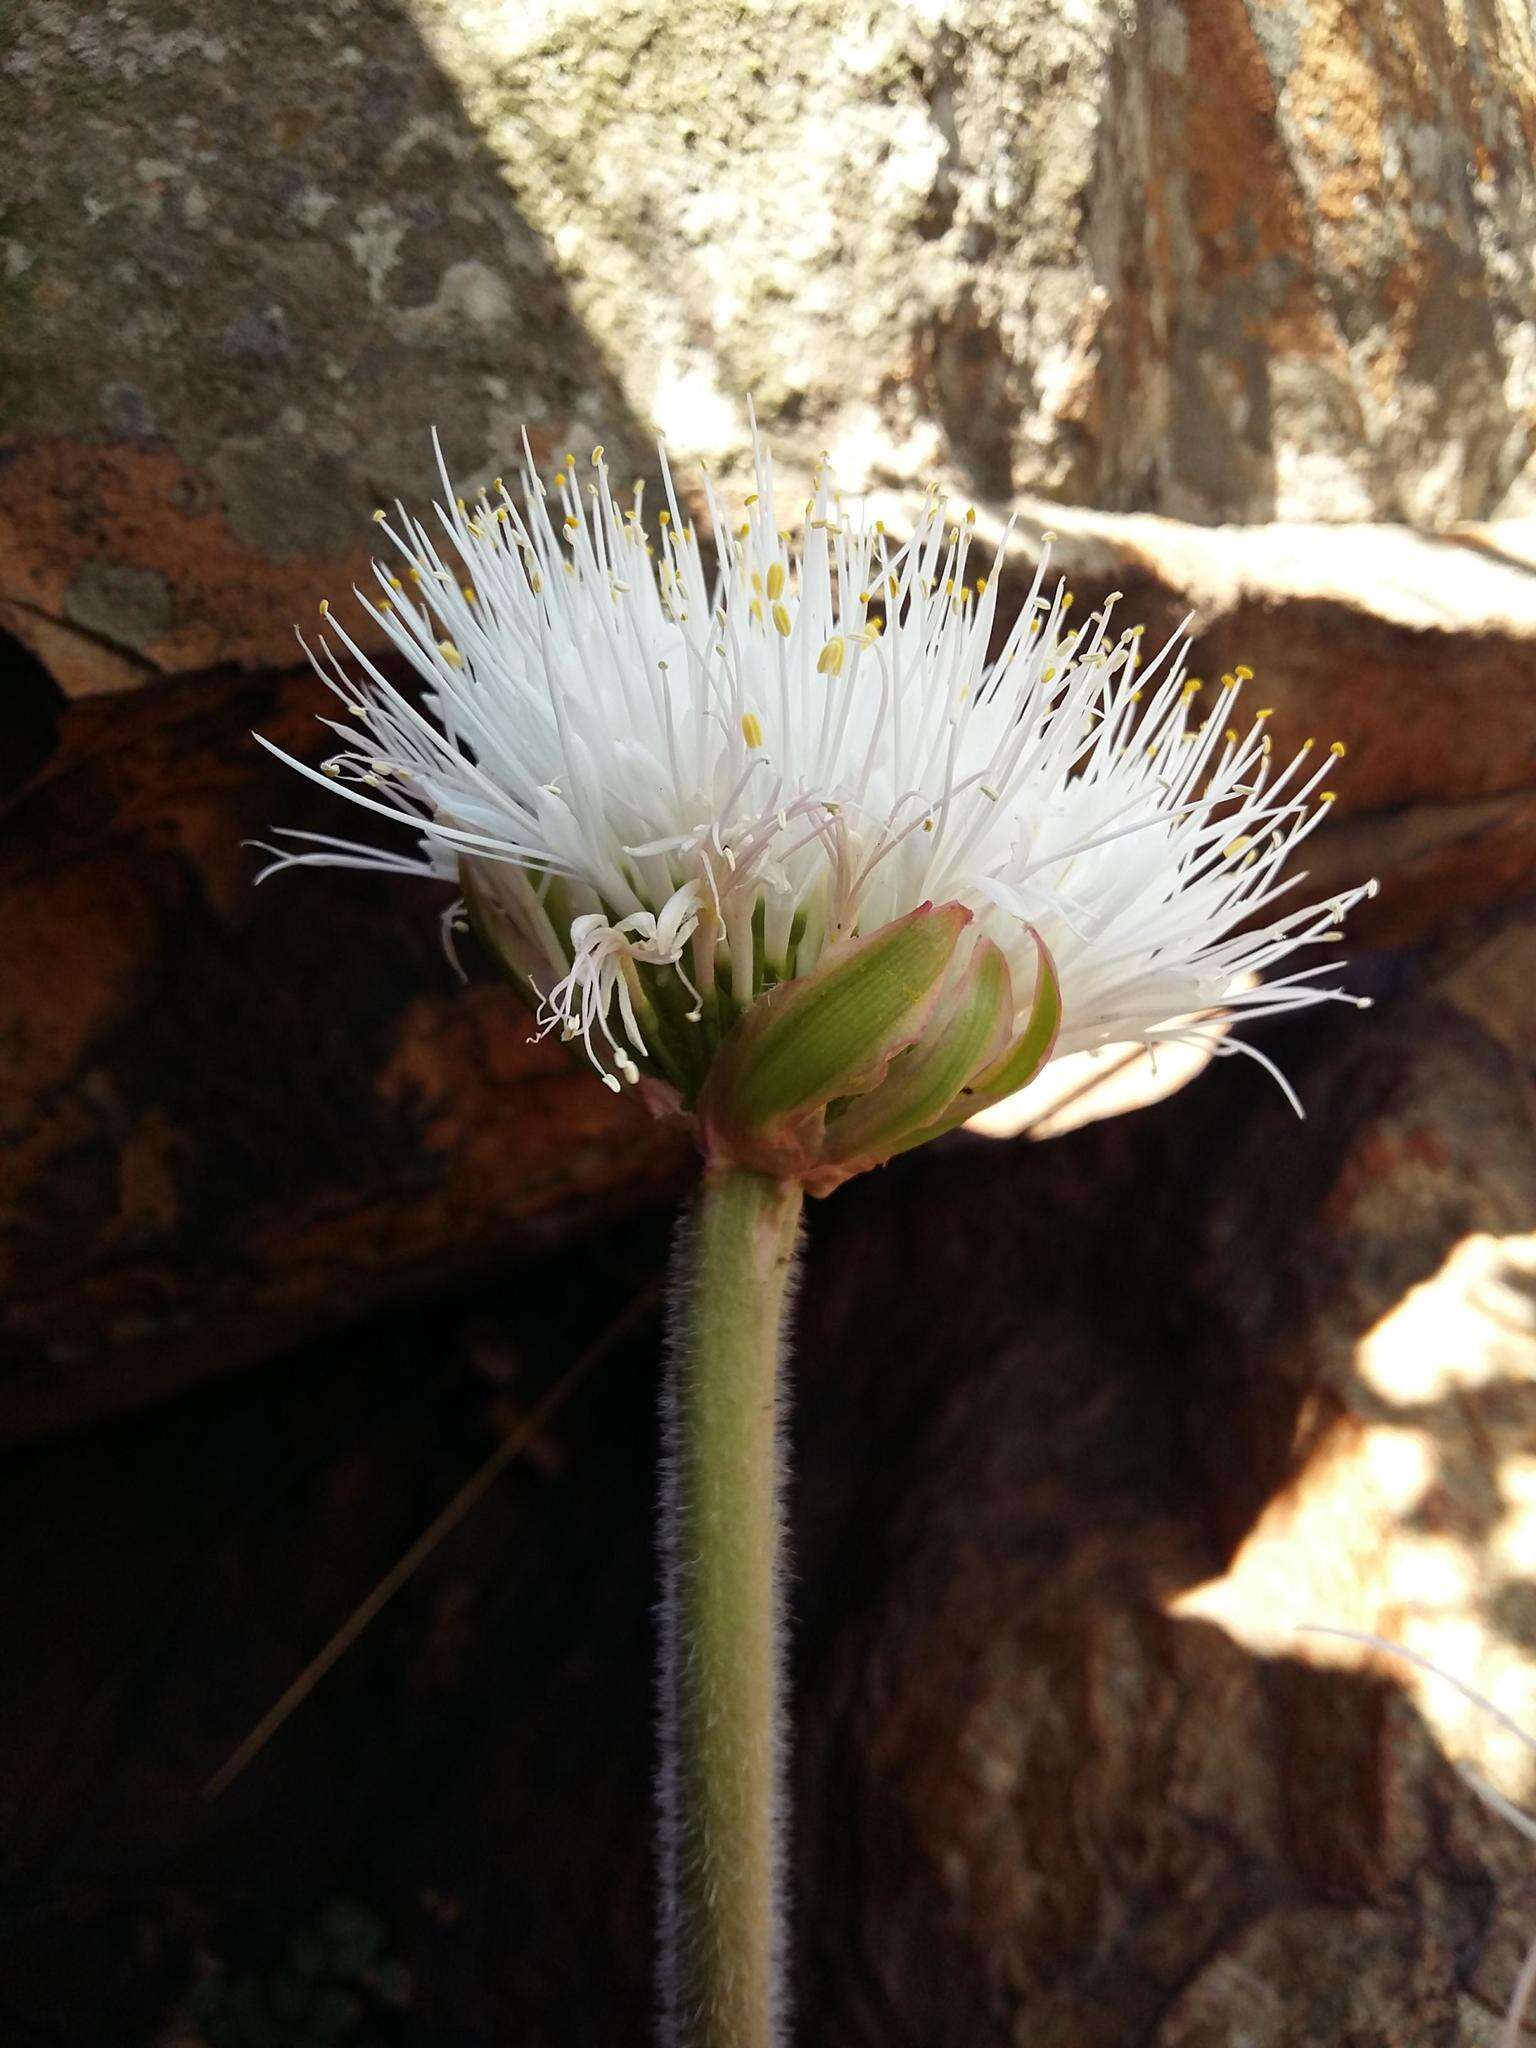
{"x":722,"y":1963}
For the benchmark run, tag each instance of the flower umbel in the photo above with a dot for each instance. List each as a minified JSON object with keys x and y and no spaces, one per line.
{"x":673,"y":793}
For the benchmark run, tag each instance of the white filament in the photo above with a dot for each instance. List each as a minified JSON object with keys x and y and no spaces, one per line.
{"x":636,"y":762}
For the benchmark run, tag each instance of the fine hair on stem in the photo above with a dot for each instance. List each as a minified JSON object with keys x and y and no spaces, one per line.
{"x":732,"y":1286}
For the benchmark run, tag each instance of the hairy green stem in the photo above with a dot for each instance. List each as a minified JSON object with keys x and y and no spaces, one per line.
{"x":721,"y":1764}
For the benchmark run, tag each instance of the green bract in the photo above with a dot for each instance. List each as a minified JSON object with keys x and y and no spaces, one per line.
{"x":893,"y":1038}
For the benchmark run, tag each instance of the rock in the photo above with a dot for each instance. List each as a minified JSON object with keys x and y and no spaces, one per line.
{"x":243,"y":275}
{"x":1216,"y":260}
{"x":1073,"y":1776}
{"x":229,"y":1117}
{"x":1223,"y":259}
{"x":1411,"y":1510}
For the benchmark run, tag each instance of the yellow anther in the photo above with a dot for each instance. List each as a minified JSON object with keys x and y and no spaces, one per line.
{"x":1049,"y":676}
{"x":325,"y":607}
{"x":864,"y":597}
{"x":781,"y":620}
{"x":776,"y":580}
{"x":830,"y":660}
{"x":1239,"y":845}
{"x":757,"y":581}
{"x":450,"y":654}
{"x":966,"y":594}
{"x":1231,"y":735}
{"x":1338,"y":749}
{"x":927,"y":824}
{"x":597,"y":454}
{"x":1244,"y":675}
{"x":1267,"y":712}
{"x":949,"y":586}
{"x":535,"y":581}
{"x":970,"y":515}
{"x":880,"y":528}
{"x":1329,"y":796}
{"x":981,"y":584}
{"x":1229,"y":682}
{"x":497,"y":484}
{"x":893,"y":585}
{"x":395,"y":583}
{"x":752,"y":500}
{"x":1308,"y":744}
{"x":756,"y":609}
{"x":1193,"y":688}
{"x":665,"y":518}
{"x":1068,"y":601}
{"x":461,"y":504}
{"x":570,"y":460}
{"x":751,"y":728}
{"x":874,"y":629}
{"x":1135,"y":696}
{"x":469,"y":595}
{"x":502,"y":512}
{"x":744,"y":530}
{"x":380,"y":516}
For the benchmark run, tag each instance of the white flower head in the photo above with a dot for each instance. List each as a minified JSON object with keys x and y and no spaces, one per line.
{"x":670,"y":777}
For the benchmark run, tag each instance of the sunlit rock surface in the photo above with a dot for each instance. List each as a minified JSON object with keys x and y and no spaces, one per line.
{"x":1217,"y":260}
{"x":1413,"y":1515}
{"x":1220,"y":259}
